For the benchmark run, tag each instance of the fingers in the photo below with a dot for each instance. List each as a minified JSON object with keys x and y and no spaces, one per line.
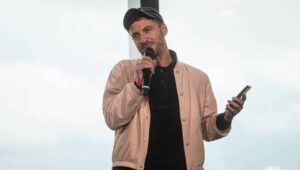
{"x":233,"y":107}
{"x":236,"y":103}
{"x":146,"y":62}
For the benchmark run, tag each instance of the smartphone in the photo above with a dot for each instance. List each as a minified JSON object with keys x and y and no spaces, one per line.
{"x":242,"y":94}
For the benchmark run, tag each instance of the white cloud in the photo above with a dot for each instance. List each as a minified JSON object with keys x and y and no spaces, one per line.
{"x":274,"y":168}
{"x":60,"y":31}
{"x":279,"y":68}
{"x":227,"y":13}
{"x":271,"y":117}
{"x":42,"y":104}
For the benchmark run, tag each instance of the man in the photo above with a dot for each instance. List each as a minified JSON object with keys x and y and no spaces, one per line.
{"x":164,"y":130}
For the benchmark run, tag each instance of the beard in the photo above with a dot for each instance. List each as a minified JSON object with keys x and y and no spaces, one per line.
{"x":160,"y":44}
{"x":157,"y":46}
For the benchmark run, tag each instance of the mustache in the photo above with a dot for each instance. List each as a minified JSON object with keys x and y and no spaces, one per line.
{"x":145,"y":45}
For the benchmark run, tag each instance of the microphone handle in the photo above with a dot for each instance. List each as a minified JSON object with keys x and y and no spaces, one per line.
{"x":146,"y":82}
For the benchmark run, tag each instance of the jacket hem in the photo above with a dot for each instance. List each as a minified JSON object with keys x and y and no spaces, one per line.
{"x":127,"y":164}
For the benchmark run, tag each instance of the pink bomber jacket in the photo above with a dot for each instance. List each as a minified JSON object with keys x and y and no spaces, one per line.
{"x":127,"y":112}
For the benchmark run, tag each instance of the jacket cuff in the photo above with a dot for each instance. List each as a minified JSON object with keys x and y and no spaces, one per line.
{"x":136,"y":85}
{"x":222,"y":124}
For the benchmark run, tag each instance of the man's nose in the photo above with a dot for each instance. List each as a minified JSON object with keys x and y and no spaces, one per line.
{"x":143,"y":37}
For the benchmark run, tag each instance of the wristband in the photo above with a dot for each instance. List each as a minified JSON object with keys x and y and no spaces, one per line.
{"x":139,"y":82}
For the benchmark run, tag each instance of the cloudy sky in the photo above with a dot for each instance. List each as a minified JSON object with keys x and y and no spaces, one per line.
{"x":55,"y":56}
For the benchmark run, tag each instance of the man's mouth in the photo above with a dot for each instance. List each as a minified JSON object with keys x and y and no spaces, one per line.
{"x":146,"y":45}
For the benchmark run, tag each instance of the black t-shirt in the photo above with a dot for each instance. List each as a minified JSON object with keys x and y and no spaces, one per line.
{"x":165,"y":149}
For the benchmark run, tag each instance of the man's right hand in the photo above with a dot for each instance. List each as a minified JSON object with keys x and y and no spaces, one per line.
{"x":145,"y":62}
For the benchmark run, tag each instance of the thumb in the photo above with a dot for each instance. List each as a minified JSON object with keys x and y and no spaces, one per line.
{"x":139,"y":74}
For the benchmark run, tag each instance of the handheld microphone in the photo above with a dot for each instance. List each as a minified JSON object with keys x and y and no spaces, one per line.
{"x":147,"y":73}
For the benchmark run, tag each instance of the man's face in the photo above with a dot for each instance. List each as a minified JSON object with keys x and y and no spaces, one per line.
{"x":148,"y":33}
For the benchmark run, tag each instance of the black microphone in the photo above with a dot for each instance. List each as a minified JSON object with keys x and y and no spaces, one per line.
{"x":147,"y":73}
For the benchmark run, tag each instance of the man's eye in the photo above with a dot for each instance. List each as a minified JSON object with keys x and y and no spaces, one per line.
{"x":147,"y":29}
{"x":134,"y":36}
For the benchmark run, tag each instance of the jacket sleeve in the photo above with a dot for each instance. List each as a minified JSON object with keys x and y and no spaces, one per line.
{"x":209,"y":114}
{"x":121,"y":98}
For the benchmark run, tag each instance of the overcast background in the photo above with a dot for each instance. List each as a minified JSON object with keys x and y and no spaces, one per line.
{"x":55,"y":57}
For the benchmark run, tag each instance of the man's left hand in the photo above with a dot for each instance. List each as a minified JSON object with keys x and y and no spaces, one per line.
{"x":233,"y":107}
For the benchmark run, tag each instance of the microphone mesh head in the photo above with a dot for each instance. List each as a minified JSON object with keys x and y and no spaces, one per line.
{"x":150,"y":53}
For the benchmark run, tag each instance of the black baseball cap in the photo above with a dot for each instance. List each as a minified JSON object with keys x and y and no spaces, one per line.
{"x":134,"y":14}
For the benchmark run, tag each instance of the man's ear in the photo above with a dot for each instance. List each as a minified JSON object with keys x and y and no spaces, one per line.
{"x":164,"y":28}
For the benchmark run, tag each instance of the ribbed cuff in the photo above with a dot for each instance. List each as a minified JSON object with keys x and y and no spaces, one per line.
{"x":222,"y":124}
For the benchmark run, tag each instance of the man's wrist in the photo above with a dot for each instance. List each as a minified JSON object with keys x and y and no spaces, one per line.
{"x":227,"y":117}
{"x":138,"y":83}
